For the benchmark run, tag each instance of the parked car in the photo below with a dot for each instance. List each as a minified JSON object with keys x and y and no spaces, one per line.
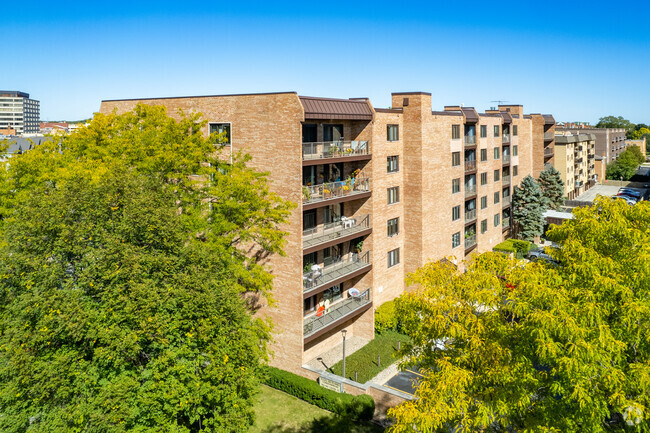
{"x":627,"y":199}
{"x":630,"y":191}
{"x":540,"y":255}
{"x":627,"y":196}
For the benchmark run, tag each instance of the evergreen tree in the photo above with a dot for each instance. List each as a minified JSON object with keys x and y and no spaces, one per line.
{"x":552,"y":186}
{"x":528,"y":206}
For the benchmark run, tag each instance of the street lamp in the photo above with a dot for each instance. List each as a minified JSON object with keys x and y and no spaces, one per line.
{"x":344,"y":332}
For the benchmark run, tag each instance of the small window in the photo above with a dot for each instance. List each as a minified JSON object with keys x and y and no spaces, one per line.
{"x":484,"y":202}
{"x":455,"y":186}
{"x":393,"y":227}
{"x":483,"y":131}
{"x":455,"y":240}
{"x":455,"y":159}
{"x":392,"y":132}
{"x":393,"y":164}
{"x":393,"y":257}
{"x":455,"y":132}
{"x":496,"y":175}
{"x":223,"y":129}
{"x":514,"y":130}
{"x":496,"y":197}
{"x":496,"y":130}
{"x":497,"y":218}
{"x":496,"y":153}
{"x":455,"y":213}
{"x":393,"y":195}
{"x":515,"y":170}
{"x":483,"y":178}
{"x":483,"y":154}
{"x":515,"y":151}
{"x":483,"y":226}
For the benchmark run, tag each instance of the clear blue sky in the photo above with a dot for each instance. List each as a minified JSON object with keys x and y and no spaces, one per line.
{"x":577,"y":60}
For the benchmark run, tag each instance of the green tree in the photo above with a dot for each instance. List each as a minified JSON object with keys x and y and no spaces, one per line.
{"x":626,"y":165}
{"x":512,"y":346}
{"x":131,"y":259}
{"x":550,"y":181}
{"x":615,"y":122}
{"x":528,"y":207}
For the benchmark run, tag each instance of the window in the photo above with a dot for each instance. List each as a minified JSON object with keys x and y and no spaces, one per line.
{"x":455,"y":186}
{"x":393,"y":227}
{"x":223,"y":129}
{"x":514,"y":130}
{"x":484,"y":202}
{"x":496,"y":153}
{"x":497,"y":217}
{"x":483,"y":178}
{"x":455,"y":159}
{"x":483,"y":154}
{"x":515,"y":170}
{"x":455,"y":132}
{"x":515,"y":151}
{"x":496,"y":130}
{"x":483,"y":131}
{"x":455,"y":240}
{"x":392,"y":133}
{"x":393,"y":257}
{"x":393,"y":164}
{"x":496,"y":175}
{"x":333,"y":293}
{"x":393,"y":195}
{"x":496,"y":197}
{"x":483,"y":226}
{"x":455,"y":213}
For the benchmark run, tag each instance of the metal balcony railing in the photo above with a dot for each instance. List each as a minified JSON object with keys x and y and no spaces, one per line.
{"x":334,"y":230}
{"x":470,"y":139}
{"x":338,"y":268}
{"x":505,"y":138}
{"x":470,"y":241}
{"x":334,"y":149}
{"x":470,"y":215}
{"x":506,"y":158}
{"x":548,"y":136}
{"x":470,"y":190}
{"x":505,"y":200}
{"x":470,"y":165}
{"x":505,"y":179}
{"x":506,"y":223}
{"x":336,"y":313}
{"x":330,"y":190}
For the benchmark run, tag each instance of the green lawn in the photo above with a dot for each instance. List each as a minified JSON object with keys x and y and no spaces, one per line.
{"x":277,"y":412}
{"x":364,"y":360}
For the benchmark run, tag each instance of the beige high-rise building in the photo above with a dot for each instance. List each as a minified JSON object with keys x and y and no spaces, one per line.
{"x":575,"y":160}
{"x":380,"y":192}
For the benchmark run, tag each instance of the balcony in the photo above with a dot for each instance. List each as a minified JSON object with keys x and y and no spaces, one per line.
{"x":335,"y":232}
{"x":315,"y":153}
{"x":549,"y":136}
{"x":505,"y":201}
{"x":334,"y":192}
{"x":470,"y":241}
{"x":470,"y":165}
{"x":470,"y":215}
{"x":506,"y":158}
{"x":578,"y":160}
{"x":470,"y":190}
{"x":336,"y":272}
{"x":469,"y":140}
{"x":548,"y":152}
{"x":505,"y":179}
{"x":506,"y":223}
{"x":352,"y":306}
{"x":505,"y":138}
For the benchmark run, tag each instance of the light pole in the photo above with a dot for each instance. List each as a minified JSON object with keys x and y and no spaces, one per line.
{"x":344,"y":332}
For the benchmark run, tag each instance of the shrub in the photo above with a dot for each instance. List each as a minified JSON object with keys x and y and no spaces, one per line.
{"x":385,"y":317}
{"x":361,"y":407}
{"x":505,"y":246}
{"x":521,"y":246}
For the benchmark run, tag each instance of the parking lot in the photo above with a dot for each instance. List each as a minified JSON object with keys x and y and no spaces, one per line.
{"x":606,"y":190}
{"x":406,"y":381}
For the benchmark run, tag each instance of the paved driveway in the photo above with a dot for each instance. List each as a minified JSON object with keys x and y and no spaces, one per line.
{"x":405,"y":381}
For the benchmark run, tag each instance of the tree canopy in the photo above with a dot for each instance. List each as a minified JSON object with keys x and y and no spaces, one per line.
{"x":615,"y":122}
{"x":528,"y":347}
{"x":550,"y":181}
{"x":626,"y":165}
{"x":528,"y":207}
{"x":127,"y":249}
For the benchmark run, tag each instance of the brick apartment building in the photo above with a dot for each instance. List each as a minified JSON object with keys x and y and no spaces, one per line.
{"x":380,"y":192}
{"x":575,"y":159}
{"x":610,"y":142}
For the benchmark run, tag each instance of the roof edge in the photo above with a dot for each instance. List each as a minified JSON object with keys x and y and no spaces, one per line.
{"x":201,"y":96}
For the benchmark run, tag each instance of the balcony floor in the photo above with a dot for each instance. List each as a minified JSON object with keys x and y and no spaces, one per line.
{"x":333,"y":274}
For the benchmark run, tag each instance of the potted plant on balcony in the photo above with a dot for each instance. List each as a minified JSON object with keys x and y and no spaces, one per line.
{"x":306,"y":193}
{"x":356,"y":250}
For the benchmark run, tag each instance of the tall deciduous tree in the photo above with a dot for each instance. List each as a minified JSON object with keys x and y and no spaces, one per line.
{"x":528,"y":207}
{"x":626,"y":165}
{"x":550,"y":181}
{"x":615,"y":122}
{"x":123,"y":269}
{"x":510,"y":346}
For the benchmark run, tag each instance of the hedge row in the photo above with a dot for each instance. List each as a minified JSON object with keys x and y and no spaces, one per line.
{"x":361,"y":407}
{"x":515,"y":246}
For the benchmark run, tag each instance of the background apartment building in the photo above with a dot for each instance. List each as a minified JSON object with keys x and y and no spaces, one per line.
{"x":610,"y":142}
{"x":380,"y":192}
{"x":18,"y":112}
{"x":575,"y":160}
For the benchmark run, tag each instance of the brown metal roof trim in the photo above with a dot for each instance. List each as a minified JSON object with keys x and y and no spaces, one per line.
{"x":507,"y":118}
{"x":548,"y":119}
{"x":471,"y":116}
{"x":411,"y":93}
{"x":489,"y":115}
{"x":200,"y":96}
{"x":389,"y":110}
{"x":447,"y":113}
{"x":328,"y":108}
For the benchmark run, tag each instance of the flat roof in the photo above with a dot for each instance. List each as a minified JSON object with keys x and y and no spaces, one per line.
{"x":200,"y":96}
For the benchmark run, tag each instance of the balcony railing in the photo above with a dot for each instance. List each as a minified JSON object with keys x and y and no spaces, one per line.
{"x":339,"y":268}
{"x":548,"y":136}
{"x":505,"y":200}
{"x":548,"y":152}
{"x":470,"y":241}
{"x":506,"y":158}
{"x":334,"y":149}
{"x":470,"y":215}
{"x":578,"y":160}
{"x":330,"y":190}
{"x":506,"y":223}
{"x":470,"y":139}
{"x":505,"y":179}
{"x":470,"y":190}
{"x":334,"y":230}
{"x":505,"y":138}
{"x":335,"y":313}
{"x":470,"y":165}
